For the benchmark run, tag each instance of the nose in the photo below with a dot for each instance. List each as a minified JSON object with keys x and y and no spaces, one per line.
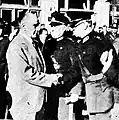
{"x":52,"y":30}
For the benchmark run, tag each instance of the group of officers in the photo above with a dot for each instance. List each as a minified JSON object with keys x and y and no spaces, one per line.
{"x":72,"y":63}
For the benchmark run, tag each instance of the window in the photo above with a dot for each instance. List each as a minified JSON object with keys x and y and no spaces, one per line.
{"x":76,"y":3}
{"x":61,"y":3}
{"x":13,"y":1}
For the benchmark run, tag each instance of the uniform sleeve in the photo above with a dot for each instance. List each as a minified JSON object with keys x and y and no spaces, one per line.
{"x":113,"y":71}
{"x":77,"y":89}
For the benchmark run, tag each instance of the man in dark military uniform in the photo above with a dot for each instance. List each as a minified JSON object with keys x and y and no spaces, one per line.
{"x":99,"y":65}
{"x":65,"y":61}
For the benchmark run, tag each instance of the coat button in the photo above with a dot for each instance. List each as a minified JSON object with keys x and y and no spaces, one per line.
{"x":84,"y":52}
{"x":61,"y":48}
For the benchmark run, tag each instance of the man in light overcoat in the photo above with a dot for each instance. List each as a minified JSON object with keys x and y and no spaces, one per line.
{"x":27,"y":81}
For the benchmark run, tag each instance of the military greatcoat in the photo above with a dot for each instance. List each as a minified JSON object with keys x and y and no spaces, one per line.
{"x":65,"y":61}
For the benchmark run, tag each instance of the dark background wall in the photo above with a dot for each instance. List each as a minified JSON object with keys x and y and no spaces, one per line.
{"x":76,"y":3}
{"x":13,"y":1}
{"x":34,"y":2}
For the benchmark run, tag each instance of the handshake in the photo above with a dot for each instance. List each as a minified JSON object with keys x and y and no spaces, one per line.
{"x":54,"y":78}
{"x":57,"y":81}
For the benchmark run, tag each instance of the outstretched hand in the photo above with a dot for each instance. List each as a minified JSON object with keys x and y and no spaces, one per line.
{"x":72,"y":99}
{"x":58,"y":75}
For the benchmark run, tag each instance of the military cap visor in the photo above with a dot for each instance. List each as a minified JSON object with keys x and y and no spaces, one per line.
{"x":82,"y":21}
{"x":59,"y":19}
{"x":54,"y":23}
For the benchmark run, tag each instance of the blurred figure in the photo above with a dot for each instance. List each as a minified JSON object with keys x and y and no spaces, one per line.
{"x":43,"y":33}
{"x":14,"y":33}
{"x":27,"y":81}
{"x":107,"y":35}
{"x":48,"y":49}
{"x":100,"y":31}
{"x":4,"y":42}
{"x":99,"y":66}
{"x":116,"y":44}
{"x":42,"y":36}
{"x":47,"y":44}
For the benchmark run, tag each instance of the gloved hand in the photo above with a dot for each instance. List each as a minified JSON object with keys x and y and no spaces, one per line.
{"x":58,"y":75}
{"x":106,"y":60}
{"x":73,"y":98}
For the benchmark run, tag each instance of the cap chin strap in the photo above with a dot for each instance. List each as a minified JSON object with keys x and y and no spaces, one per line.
{"x":60,"y":38}
{"x":85,"y":37}
{"x":87,"y":34}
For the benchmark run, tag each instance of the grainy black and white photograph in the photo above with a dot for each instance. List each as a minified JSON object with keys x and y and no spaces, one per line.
{"x":59,"y":59}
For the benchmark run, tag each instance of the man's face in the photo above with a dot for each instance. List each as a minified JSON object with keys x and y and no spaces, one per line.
{"x":104,"y":28}
{"x":31,"y":22}
{"x":100,"y":30}
{"x":57,"y":31}
{"x":81,"y":30}
{"x":43,"y":36}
